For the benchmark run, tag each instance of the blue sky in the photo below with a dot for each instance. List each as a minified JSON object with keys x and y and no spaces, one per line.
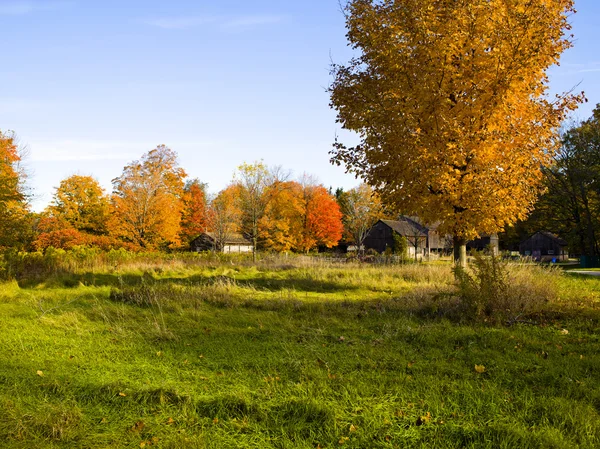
{"x":91,"y":85}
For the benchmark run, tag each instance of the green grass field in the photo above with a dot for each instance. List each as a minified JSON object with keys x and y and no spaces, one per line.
{"x":236,"y":356}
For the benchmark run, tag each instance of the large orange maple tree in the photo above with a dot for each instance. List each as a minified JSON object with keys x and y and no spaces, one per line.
{"x":449,"y":100}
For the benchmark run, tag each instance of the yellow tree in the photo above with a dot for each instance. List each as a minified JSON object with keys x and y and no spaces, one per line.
{"x":449,"y":99}
{"x":280,"y":226}
{"x":147,"y":200}
{"x":223,"y":215}
{"x":362,"y":208}
{"x":81,"y":202}
{"x":253,"y":181}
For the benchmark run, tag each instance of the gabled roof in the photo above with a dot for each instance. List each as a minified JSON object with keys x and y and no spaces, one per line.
{"x":406,"y":227}
{"x":232,"y":239}
{"x":549,"y":235}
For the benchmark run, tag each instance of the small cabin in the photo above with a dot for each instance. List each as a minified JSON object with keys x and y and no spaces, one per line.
{"x":544,"y":247}
{"x":234,"y":243}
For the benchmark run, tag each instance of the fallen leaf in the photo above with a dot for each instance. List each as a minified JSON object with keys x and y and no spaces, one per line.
{"x":352,"y":428}
{"x":138,"y":426}
{"x":424,"y":419}
{"x":40,"y":373}
{"x":480,"y":369}
{"x":122,"y":394}
{"x":564,"y":332}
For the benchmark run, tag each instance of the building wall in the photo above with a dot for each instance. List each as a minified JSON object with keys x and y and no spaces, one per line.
{"x":544,"y":248}
{"x":237,"y":249}
{"x":379,"y":238}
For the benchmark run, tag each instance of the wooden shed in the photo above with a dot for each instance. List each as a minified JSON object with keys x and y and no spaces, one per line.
{"x":234,"y":243}
{"x":544,"y":247}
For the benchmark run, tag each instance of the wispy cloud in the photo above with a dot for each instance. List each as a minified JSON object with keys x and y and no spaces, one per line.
{"x":82,"y":150}
{"x":23,"y":7}
{"x":574,"y":68}
{"x":251,"y":21}
{"x":179,"y":23}
{"x":224,"y":23}
{"x":97,"y":150}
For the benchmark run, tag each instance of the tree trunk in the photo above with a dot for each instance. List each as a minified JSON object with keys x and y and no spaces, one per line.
{"x":460,"y":252}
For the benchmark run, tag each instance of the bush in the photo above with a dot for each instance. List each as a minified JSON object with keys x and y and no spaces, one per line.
{"x":493,"y":291}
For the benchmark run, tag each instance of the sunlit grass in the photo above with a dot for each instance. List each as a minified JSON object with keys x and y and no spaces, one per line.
{"x":300,"y":356}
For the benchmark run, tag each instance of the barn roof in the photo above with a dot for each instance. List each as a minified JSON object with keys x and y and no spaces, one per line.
{"x":232,"y":239}
{"x":406,"y":227}
{"x":549,"y":235}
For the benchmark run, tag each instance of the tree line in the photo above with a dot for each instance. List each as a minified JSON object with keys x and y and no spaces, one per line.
{"x":570,"y":204}
{"x":154,"y":206}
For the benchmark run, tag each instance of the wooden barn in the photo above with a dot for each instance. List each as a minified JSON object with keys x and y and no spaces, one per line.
{"x":234,"y":243}
{"x":421,"y":239}
{"x":544,"y":247}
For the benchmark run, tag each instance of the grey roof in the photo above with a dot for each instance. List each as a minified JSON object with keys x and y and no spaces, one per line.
{"x":406,"y":227}
{"x":232,"y":239}
{"x":550,"y":235}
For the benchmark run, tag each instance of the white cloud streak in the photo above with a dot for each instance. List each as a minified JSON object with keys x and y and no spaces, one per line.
{"x":23,"y":7}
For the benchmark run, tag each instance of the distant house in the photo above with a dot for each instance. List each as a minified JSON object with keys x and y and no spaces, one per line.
{"x":421,"y":240}
{"x":544,"y":247}
{"x":234,"y":243}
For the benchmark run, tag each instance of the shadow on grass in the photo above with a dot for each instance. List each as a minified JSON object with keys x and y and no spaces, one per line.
{"x":120,"y":280}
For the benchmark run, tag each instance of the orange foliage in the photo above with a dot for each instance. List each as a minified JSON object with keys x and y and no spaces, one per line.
{"x":194,"y":220}
{"x":300,"y":217}
{"x":147,"y":201}
{"x":449,"y":99}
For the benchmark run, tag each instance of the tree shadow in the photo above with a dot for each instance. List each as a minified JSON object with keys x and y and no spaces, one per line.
{"x":117,"y":280}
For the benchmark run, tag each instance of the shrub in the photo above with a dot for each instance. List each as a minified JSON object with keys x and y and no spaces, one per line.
{"x":494,"y":291}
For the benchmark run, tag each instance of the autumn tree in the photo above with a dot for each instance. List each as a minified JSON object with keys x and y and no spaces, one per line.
{"x":223,"y":216}
{"x":449,"y":101}
{"x":281,"y":225}
{"x":147,"y":200}
{"x":252,"y":181}
{"x":15,"y":226}
{"x":194,"y":218}
{"x":300,"y":216}
{"x":361,"y":208}
{"x":320,"y":217}
{"x":80,"y":202}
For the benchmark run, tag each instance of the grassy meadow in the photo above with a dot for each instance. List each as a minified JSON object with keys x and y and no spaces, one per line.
{"x":224,"y":354}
